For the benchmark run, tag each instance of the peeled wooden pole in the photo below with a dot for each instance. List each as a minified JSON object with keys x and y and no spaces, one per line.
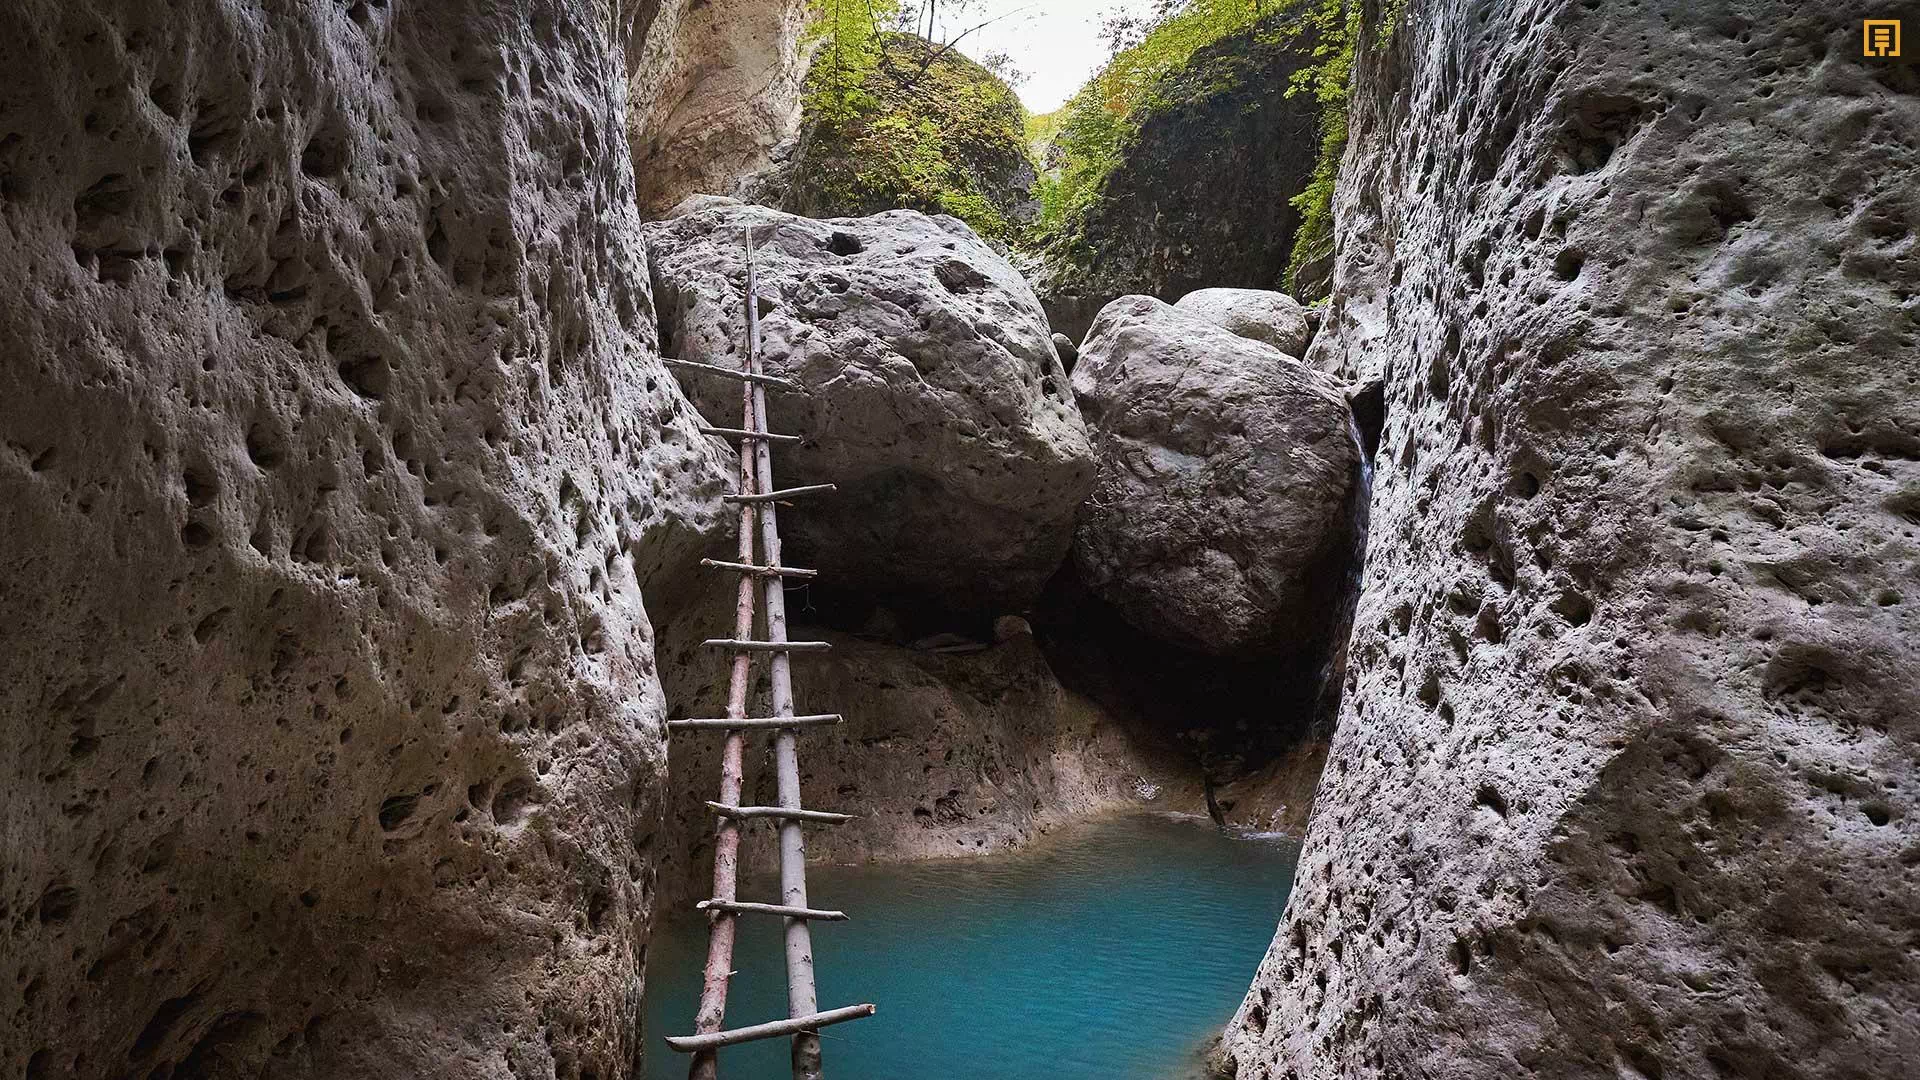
{"x":824,"y":817}
{"x":772,"y":496}
{"x":802,"y":999}
{"x":732,"y":724}
{"x":743,"y":908}
{"x":707,"y":1043}
{"x":754,"y":378}
{"x":726,"y":843}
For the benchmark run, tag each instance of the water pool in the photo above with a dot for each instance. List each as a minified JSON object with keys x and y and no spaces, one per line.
{"x":1110,"y":951}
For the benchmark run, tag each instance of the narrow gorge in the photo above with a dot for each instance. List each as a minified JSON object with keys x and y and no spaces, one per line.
{"x":1423,"y":488}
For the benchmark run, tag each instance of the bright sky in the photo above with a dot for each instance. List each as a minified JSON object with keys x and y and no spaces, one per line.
{"x":1056,"y":42}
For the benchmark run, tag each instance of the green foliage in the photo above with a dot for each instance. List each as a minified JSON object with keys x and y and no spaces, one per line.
{"x":1088,"y":138}
{"x":893,"y":120}
{"x":1095,"y":124}
{"x":1330,"y":82}
{"x":1335,"y":27}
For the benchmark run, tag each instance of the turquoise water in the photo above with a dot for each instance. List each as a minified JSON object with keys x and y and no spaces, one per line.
{"x":1111,"y":952}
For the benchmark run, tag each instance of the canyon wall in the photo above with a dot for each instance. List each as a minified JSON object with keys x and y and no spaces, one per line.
{"x":1624,"y":782}
{"x":714,"y":88}
{"x":1200,"y":194}
{"x":333,"y":458}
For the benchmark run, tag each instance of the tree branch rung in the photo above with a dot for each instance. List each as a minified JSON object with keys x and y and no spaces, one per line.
{"x":822,"y":817}
{"x":741,"y":907}
{"x":744,"y":645}
{"x":777,"y":496}
{"x":760,"y":571}
{"x":774,"y":381}
{"x":754,"y":722}
{"x":688,"y":1044}
{"x":742,"y":433}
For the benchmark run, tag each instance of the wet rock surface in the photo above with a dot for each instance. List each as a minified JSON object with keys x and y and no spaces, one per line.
{"x":332,"y":462}
{"x":931,"y":396}
{"x":1221,"y":517}
{"x":1624,"y":781}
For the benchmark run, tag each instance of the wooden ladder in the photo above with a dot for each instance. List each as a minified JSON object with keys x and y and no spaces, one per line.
{"x":767,"y":578}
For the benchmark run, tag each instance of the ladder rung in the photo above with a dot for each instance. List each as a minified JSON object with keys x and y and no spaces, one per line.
{"x":742,"y":433}
{"x":688,"y":1044}
{"x":729,"y":373}
{"x":822,"y":816}
{"x":738,"y":907}
{"x":760,"y":571}
{"x":776,"y":496}
{"x":726,"y":724}
{"x":741,"y":645}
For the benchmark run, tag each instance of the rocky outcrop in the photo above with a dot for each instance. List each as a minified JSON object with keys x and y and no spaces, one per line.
{"x":1624,"y":782}
{"x":332,"y":462}
{"x":1221,"y":517}
{"x":1261,"y":314}
{"x":932,"y":397}
{"x":714,"y":91}
{"x":915,"y":127}
{"x":1200,"y":195}
{"x":941,"y":754}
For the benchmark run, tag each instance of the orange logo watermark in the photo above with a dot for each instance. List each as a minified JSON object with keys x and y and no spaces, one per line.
{"x":1880,"y":37}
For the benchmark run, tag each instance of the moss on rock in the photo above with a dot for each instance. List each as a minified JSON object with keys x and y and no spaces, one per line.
{"x":1199,"y":189}
{"x":914,"y":126}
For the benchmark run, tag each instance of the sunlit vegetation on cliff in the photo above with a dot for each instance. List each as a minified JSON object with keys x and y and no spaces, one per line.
{"x":1088,"y":138}
{"x":898,"y":116}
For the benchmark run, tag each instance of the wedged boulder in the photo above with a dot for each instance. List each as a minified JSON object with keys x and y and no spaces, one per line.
{"x":1221,"y":518}
{"x":330,"y":737}
{"x":1260,"y":314}
{"x":931,"y":395}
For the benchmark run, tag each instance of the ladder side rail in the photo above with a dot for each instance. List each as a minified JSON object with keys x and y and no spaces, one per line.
{"x":722,"y":922}
{"x":802,"y":996}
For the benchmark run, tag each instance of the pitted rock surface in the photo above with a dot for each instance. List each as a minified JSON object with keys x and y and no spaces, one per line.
{"x":1221,"y":518}
{"x":1625,"y":781}
{"x":931,"y":396}
{"x":1260,"y":314}
{"x":941,"y":754}
{"x":332,"y":462}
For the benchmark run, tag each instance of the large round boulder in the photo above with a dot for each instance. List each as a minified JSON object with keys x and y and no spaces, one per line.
{"x":930,"y":394}
{"x":1224,"y":509}
{"x":1260,"y":314}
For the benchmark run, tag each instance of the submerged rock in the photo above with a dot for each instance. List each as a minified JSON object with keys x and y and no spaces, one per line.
{"x":327,"y":489}
{"x":932,"y":397}
{"x":1220,"y":518}
{"x":1625,"y":781}
{"x":1260,"y":314}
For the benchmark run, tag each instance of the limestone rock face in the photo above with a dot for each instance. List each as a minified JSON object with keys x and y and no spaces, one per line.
{"x":941,"y":754}
{"x":1260,"y":314}
{"x":1201,"y":194}
{"x":1221,"y":518}
{"x":332,"y":462}
{"x":714,"y":88}
{"x":932,"y":397}
{"x":1625,"y":780}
